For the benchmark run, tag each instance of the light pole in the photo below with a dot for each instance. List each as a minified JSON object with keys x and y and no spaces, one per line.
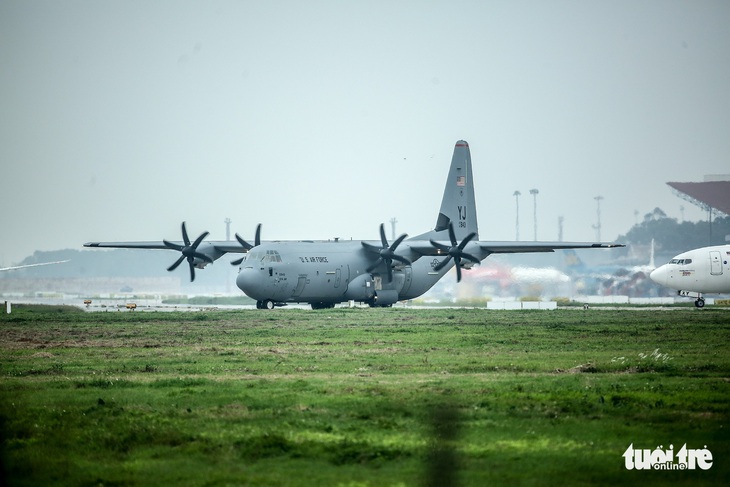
{"x":597,"y":226}
{"x":517,"y":194}
{"x":228,"y":222}
{"x":560,"y":228}
{"x":534,"y":193}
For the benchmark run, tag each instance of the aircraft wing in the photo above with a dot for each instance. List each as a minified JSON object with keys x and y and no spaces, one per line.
{"x":419,"y":248}
{"x":128,"y":245}
{"x":197,"y":253}
{"x":528,"y":247}
{"x":222,"y":246}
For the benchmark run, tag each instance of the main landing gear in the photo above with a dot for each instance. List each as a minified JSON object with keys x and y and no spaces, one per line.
{"x":700,"y":302}
{"x":265,"y":304}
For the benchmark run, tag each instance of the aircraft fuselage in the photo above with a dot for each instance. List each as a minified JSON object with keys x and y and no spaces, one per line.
{"x":703,"y":270}
{"x":329,"y":272}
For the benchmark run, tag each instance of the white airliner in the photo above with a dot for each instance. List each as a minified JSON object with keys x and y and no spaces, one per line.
{"x":698,"y":271}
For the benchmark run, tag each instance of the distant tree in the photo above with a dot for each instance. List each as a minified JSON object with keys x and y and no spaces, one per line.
{"x":657,"y":214}
{"x":671,"y":236}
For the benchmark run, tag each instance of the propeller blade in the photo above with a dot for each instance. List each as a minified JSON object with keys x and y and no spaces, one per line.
{"x":257,"y":238}
{"x":185,"y":235}
{"x":442,"y":264}
{"x":440,"y":246}
{"x":243,"y":243}
{"x":177,"y":263}
{"x":199,"y":255}
{"x":466,"y":240}
{"x":401,"y":259}
{"x":470,"y":257}
{"x":455,"y":251}
{"x":386,"y":253}
{"x":371,"y":248}
{"x":199,"y":239}
{"x":452,"y":235}
{"x":172,"y":246}
{"x":374,"y":266}
{"x":189,"y":251}
{"x":246,"y":245}
{"x":382,"y":236}
{"x":398,"y":241}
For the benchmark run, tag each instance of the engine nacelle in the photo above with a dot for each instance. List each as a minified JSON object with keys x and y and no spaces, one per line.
{"x":362,"y":288}
{"x":385,"y":297}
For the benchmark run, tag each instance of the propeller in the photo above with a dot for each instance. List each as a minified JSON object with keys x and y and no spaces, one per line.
{"x":248,"y":246}
{"x":386,"y":253}
{"x":455,"y":251}
{"x":189,"y":251}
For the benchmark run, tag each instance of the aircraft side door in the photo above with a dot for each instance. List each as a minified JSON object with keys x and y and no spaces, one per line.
{"x":715,"y":263}
{"x":302,"y":281}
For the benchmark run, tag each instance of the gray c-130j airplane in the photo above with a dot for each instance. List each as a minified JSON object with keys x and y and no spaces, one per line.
{"x":324,"y":273}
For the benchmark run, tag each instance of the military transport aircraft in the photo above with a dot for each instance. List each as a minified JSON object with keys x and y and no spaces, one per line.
{"x":379,"y":273}
{"x":703,"y":270}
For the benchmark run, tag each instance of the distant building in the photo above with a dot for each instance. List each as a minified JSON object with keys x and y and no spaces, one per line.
{"x":712,"y":194}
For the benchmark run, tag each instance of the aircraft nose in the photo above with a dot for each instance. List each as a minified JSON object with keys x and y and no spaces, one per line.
{"x":246,"y":281}
{"x":659,"y":275}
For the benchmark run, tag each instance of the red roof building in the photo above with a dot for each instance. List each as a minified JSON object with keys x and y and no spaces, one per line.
{"x":706,"y":195}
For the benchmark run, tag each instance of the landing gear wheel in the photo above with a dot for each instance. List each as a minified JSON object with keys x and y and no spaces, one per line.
{"x":267,"y":304}
{"x":700,"y":302}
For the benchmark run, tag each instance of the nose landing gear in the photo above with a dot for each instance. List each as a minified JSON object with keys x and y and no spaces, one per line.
{"x":699,"y":300}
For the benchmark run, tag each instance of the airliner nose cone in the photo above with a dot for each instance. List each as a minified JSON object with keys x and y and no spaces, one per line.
{"x":659,"y":275}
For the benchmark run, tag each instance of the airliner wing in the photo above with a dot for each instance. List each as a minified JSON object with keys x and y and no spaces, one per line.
{"x":31,"y":265}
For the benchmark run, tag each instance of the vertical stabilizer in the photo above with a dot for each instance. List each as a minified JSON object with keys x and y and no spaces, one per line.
{"x":652,"y":265}
{"x":459,"y":204}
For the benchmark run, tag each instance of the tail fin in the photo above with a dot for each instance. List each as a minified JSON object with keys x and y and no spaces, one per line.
{"x":459,"y":203}
{"x":651,"y":256}
{"x":572,"y":264}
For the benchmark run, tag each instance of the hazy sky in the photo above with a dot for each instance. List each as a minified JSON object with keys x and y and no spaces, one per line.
{"x":319,"y":119}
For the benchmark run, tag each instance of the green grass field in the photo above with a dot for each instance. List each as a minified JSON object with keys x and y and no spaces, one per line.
{"x":360,"y":397}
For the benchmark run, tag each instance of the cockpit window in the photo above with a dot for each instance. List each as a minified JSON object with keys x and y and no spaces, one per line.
{"x":273,"y":256}
{"x":263,"y":257}
{"x":680,"y":261}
